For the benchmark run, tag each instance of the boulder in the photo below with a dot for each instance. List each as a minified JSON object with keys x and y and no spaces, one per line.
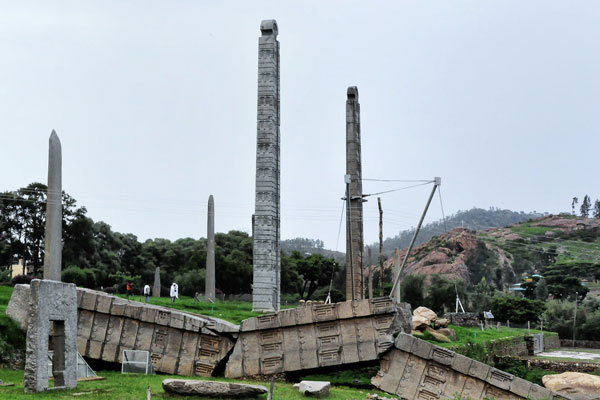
{"x":576,"y":385}
{"x":211,"y":388}
{"x":313,"y":388}
{"x":449,"y":333}
{"x":441,"y":323}
{"x":438,"y":336}
{"x":425,"y":313}
{"x":18,"y":306}
{"x":419,"y":323}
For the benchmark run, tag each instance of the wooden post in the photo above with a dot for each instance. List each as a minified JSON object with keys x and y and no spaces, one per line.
{"x":380,"y":247}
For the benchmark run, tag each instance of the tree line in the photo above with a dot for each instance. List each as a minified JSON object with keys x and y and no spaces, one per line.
{"x":97,"y":257}
{"x":586,"y":207}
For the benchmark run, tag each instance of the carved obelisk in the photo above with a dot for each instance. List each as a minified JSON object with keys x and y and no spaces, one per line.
{"x":53,"y":244}
{"x":354,"y":224}
{"x":266,"y":251}
{"x":209,"y":285}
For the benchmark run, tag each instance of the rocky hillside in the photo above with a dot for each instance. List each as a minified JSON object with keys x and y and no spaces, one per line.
{"x":504,"y":255}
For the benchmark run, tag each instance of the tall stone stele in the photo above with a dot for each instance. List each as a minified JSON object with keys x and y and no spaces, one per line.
{"x":209,"y":288}
{"x":53,"y":244}
{"x":355,"y":222}
{"x":156,"y":287}
{"x":266,"y":219}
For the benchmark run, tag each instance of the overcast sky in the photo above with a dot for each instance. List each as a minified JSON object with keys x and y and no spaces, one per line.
{"x":155,"y":105}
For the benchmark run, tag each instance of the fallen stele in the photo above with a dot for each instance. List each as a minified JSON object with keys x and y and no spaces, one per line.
{"x":186,"y":387}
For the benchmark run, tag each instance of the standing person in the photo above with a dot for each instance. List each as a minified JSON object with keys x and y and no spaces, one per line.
{"x":147,"y":292}
{"x":128,"y":289}
{"x":174,"y":292}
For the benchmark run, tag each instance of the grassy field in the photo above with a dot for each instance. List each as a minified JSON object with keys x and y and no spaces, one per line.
{"x":119,"y":386}
{"x":474,"y":335}
{"x":232,"y":311}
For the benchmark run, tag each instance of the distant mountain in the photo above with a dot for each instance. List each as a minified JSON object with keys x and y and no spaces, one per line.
{"x":311,"y":246}
{"x":476,"y":219}
{"x":505,"y":255}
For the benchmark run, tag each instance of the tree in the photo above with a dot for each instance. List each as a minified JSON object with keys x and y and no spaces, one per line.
{"x":481,"y":298}
{"x":574,"y":204}
{"x":441,"y":294}
{"x":597,"y":209}
{"x":586,"y":205}
{"x":541,"y":290}
{"x":563,"y":280}
{"x":411,"y":290}
{"x":313,"y":271}
{"x":517,"y":309}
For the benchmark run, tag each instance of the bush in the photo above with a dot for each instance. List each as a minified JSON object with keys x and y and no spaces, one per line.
{"x":517,"y":309}
{"x":22,"y":279}
{"x":80,"y":277}
{"x":411,"y":290}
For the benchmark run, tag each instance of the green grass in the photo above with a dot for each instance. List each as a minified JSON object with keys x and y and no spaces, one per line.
{"x":475,"y":335}
{"x":232,"y":311}
{"x":129,"y":387}
{"x":528,"y":230}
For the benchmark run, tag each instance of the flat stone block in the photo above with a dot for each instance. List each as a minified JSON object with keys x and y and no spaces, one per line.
{"x":422,"y":348}
{"x":103,"y":303}
{"x":148,"y":314}
{"x":461,"y":364}
{"x":500,"y":379}
{"x":89,"y":301}
{"x":109,"y":353}
{"x":133,"y":311}
{"x":177,"y":320}
{"x":479,"y":370}
{"x":118,"y":307}
{"x":192,"y":324}
{"x":404,"y":342}
{"x":539,"y":393}
{"x":520,"y":387}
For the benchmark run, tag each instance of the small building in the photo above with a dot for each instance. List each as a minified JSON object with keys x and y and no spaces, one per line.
{"x":18,"y":267}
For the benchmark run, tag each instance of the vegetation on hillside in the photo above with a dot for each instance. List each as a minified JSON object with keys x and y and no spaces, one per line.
{"x":476,"y":219}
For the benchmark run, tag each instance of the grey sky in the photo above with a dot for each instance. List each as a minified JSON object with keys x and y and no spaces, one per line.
{"x":155,"y":105}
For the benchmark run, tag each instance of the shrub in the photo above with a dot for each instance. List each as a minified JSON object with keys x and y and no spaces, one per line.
{"x":517,"y":309}
{"x":80,"y":277}
{"x":22,"y":279}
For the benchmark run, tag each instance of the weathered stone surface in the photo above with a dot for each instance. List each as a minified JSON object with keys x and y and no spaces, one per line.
{"x":441,"y":323}
{"x":53,"y":238}
{"x":18,"y":307}
{"x":266,"y":255}
{"x":314,"y":388}
{"x":448,"y":332}
{"x":317,"y":335}
{"x":209,"y":287}
{"x":577,"y":385}
{"x":425,"y":313}
{"x":52,"y":307}
{"x":104,"y":331}
{"x":415,"y":369}
{"x":419,"y":323}
{"x":462,"y":319}
{"x":212,"y":388}
{"x":438,"y":336}
{"x":354,"y":252}
{"x":156,"y":286}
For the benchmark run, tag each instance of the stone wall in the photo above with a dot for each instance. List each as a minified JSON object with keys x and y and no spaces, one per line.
{"x":582,"y":344}
{"x":551,"y":341}
{"x":562,"y":366}
{"x":463,"y":319}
